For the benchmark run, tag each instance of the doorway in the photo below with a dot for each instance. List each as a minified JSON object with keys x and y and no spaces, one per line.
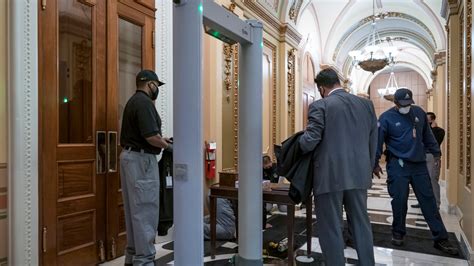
{"x":90,"y":52}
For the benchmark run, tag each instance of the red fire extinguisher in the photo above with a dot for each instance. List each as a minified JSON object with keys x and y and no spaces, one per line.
{"x":210,"y":160}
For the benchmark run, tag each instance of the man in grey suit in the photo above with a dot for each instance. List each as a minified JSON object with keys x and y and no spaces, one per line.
{"x":342,"y":130}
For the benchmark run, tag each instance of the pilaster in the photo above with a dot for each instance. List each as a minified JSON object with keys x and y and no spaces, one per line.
{"x":164,"y":63}
{"x":23,"y":143}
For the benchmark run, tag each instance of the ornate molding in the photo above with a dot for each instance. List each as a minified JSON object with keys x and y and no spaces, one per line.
{"x":271,"y":4}
{"x":273,"y":47}
{"x":228,"y":79}
{"x":290,"y":34}
{"x":295,"y":10}
{"x":461,"y":97}
{"x":235,"y":105}
{"x":448,"y":96}
{"x":263,"y":14}
{"x":454,"y":7}
{"x":291,"y":71}
{"x":468,"y":89}
{"x":440,"y":58}
{"x":164,"y":64}
{"x":282,"y":31}
{"x":23,"y":133}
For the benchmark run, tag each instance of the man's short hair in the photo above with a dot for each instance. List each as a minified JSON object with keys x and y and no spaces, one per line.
{"x":433,"y":116}
{"x":328,"y":78}
{"x":266,"y":159}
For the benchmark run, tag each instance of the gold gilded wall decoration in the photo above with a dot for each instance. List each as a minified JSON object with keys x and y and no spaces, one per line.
{"x":448,"y":96}
{"x":231,"y":93}
{"x":468,"y":90}
{"x":291,"y":88}
{"x":295,"y":10}
{"x":273,"y":47}
{"x":227,"y":71}
{"x":235,"y":104}
{"x":461,"y":96}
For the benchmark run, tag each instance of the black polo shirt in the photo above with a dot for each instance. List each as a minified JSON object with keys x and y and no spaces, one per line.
{"x":140,"y":121}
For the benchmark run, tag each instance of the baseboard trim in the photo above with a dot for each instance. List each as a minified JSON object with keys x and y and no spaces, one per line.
{"x":466,"y":248}
{"x":454,"y":210}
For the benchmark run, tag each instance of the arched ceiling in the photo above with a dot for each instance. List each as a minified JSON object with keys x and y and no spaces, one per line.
{"x":416,"y":26}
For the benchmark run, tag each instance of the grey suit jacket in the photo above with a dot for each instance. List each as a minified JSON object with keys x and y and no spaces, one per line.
{"x":343,"y":129}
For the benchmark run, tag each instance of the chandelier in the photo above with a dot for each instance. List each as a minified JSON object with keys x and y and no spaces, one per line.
{"x":373,"y":57}
{"x":390,"y":89}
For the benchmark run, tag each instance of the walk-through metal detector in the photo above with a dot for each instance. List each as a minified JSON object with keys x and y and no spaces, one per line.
{"x":189,"y":17}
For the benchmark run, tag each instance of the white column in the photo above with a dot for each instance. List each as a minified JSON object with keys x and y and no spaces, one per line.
{"x":250,"y":149}
{"x":23,"y":200}
{"x":164,"y":63}
{"x":188,"y":133}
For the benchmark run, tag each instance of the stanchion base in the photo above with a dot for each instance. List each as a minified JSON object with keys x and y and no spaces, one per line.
{"x":304,"y":259}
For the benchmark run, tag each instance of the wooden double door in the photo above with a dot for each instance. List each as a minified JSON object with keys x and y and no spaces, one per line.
{"x":89,"y":54}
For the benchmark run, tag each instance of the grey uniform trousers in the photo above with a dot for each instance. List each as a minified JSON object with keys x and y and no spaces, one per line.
{"x":434,"y":171}
{"x":329,"y":221}
{"x":140,"y":190}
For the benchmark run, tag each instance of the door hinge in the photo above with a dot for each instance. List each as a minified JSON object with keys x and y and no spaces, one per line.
{"x":43,"y":4}
{"x":153,"y":41}
{"x":45,"y":235}
{"x":101,"y":250}
{"x":114,"y":248}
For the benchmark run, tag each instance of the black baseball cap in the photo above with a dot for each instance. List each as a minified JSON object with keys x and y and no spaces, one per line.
{"x":403,"y":97}
{"x":149,"y":75}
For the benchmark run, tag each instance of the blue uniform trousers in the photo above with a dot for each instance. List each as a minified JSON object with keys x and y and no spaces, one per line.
{"x":400,"y":175}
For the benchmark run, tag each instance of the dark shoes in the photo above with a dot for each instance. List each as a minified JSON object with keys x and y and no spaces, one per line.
{"x":397,"y":240}
{"x":416,"y":206}
{"x":446,"y":247}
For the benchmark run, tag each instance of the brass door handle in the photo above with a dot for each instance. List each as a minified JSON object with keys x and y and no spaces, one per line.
{"x":100,"y":152}
{"x":112,"y":151}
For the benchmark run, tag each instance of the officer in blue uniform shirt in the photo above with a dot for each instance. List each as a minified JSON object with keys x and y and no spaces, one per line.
{"x":408,"y":137}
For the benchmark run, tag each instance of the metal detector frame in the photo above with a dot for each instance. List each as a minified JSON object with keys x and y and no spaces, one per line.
{"x":188,"y":19}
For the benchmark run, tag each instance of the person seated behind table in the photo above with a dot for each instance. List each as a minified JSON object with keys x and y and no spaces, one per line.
{"x":225,"y":221}
{"x":269,"y":169}
{"x":269,"y":173}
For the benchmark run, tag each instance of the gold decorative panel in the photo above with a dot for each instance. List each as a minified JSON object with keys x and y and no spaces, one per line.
{"x":448,"y":94}
{"x":274,"y":92}
{"x":295,"y":10}
{"x":461,"y":97}
{"x":291,"y":88}
{"x":235,"y":104}
{"x":468,"y":90}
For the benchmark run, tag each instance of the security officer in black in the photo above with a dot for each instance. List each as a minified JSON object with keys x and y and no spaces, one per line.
{"x":407,"y":135}
{"x":141,"y":141}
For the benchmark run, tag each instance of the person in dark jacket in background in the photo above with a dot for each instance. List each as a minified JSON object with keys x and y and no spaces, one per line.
{"x":407,"y":135}
{"x":342,"y":132}
{"x":432,"y":162}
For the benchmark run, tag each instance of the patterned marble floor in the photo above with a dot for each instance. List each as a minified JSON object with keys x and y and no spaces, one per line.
{"x":380,"y":212}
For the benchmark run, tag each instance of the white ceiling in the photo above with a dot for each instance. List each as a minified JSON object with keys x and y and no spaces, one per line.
{"x":340,"y":26}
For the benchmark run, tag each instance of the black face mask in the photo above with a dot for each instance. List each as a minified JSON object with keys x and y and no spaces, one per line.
{"x":154,"y":93}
